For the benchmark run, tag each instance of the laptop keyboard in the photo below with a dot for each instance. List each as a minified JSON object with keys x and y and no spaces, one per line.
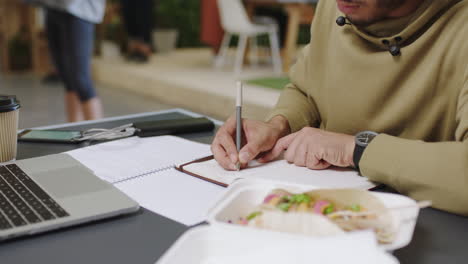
{"x":22,"y":201}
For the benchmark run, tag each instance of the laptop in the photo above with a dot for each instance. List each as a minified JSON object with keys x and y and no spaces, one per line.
{"x":55,"y":191}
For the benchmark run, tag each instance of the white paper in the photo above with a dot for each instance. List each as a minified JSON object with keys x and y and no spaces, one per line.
{"x":174,"y":194}
{"x":282,"y":171}
{"x":123,"y":159}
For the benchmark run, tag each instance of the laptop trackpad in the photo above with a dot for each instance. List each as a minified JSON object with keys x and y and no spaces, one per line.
{"x":71,"y":181}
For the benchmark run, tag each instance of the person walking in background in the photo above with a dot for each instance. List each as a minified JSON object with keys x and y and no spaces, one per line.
{"x":138,"y":19}
{"x":70,"y":33}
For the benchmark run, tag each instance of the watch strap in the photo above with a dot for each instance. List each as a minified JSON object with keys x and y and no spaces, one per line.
{"x":357,"y":154}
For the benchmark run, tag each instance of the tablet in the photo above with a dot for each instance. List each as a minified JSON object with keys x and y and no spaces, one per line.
{"x":50,"y":136}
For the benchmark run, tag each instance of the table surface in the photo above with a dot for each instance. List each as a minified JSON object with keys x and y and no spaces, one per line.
{"x":143,"y":237}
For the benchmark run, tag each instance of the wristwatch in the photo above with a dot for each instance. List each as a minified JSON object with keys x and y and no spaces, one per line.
{"x":362,"y":139}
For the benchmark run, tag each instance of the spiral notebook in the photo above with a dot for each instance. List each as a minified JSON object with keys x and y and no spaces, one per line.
{"x":208,"y":169}
{"x":144,"y":169}
{"x":123,"y":160}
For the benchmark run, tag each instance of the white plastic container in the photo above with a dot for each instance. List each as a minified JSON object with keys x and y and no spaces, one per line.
{"x":214,"y":245}
{"x":243,"y":197}
{"x":226,"y":243}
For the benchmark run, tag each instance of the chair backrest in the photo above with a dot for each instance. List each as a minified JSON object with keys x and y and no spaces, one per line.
{"x":234,"y":18}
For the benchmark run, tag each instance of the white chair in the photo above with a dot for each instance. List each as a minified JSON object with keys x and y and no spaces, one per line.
{"x":235,"y":21}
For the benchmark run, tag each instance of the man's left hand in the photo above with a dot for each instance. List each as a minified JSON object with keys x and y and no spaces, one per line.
{"x":314,"y":148}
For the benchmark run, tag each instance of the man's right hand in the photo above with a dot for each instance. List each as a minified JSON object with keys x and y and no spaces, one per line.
{"x":258,"y":137}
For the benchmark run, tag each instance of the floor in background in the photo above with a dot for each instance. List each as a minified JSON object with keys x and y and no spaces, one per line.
{"x":277,"y":83}
{"x":44,"y":105}
{"x":187,"y":79}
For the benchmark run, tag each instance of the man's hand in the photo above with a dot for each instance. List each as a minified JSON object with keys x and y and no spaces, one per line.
{"x":258,"y":137}
{"x":315,"y":149}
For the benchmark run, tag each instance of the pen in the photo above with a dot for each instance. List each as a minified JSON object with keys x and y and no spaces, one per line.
{"x":238,"y":120}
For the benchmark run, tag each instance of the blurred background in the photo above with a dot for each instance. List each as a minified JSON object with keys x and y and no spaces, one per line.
{"x":147,"y":55}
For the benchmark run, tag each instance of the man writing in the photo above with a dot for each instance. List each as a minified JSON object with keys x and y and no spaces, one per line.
{"x":384,"y":91}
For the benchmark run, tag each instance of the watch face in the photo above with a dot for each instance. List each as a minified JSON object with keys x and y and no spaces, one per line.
{"x":364,"y":138}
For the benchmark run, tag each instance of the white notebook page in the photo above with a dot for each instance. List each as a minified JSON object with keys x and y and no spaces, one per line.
{"x":132,"y":157}
{"x":281,"y":170}
{"x":174,"y":194}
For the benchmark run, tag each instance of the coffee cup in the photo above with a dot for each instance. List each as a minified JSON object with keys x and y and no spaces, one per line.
{"x":9,"y":113}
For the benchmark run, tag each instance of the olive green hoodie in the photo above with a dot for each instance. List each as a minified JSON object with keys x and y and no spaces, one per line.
{"x":346,"y":81}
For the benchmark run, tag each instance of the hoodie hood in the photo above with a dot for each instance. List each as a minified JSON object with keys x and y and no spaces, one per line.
{"x":405,"y":30}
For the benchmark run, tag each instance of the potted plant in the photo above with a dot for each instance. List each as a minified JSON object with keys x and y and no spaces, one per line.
{"x":167,"y":14}
{"x":19,"y":49}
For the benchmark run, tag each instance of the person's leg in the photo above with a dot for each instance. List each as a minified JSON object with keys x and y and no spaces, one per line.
{"x":147,"y":7}
{"x":126,"y":8}
{"x":80,"y":47}
{"x":73,"y":107}
{"x":55,"y":22}
{"x":142,"y":29}
{"x":53,"y":40}
{"x":92,"y":108}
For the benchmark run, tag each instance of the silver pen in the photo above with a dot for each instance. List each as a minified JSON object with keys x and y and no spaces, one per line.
{"x":239,"y":120}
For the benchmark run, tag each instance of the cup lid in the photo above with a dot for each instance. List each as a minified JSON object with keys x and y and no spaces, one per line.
{"x":8,"y":103}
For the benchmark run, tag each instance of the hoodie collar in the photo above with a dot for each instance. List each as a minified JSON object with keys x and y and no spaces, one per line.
{"x":401,"y":30}
{"x":391,"y":27}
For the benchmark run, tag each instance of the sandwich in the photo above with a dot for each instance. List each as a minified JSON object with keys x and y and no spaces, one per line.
{"x":323,"y":212}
